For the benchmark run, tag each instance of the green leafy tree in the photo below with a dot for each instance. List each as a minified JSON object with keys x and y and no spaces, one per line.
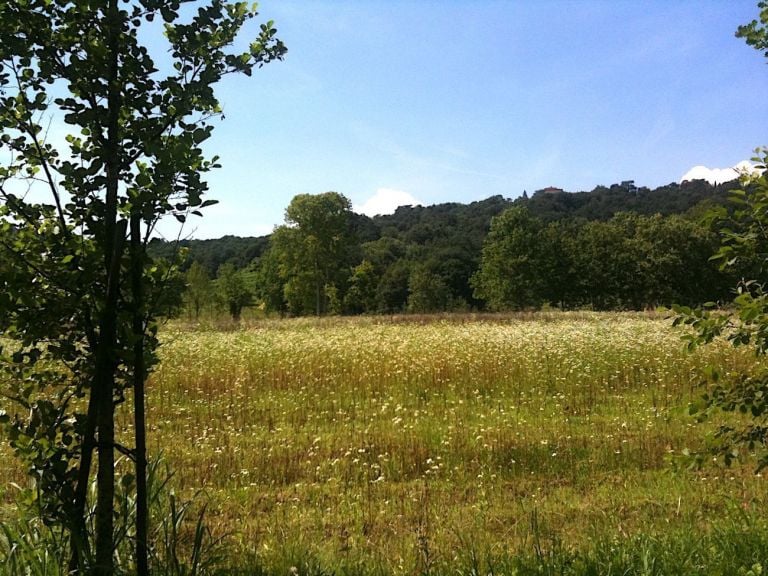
{"x":427,"y":292}
{"x":605,"y":263}
{"x":295,"y":280}
{"x":199,"y":290}
{"x":744,"y":235}
{"x":675,"y":264}
{"x":333,"y":299}
{"x":361,"y":294}
{"x":559,"y":246}
{"x":387,"y":255}
{"x":393,"y":288}
{"x":509,"y":275}
{"x":270,"y":288}
{"x":234,"y":290}
{"x":755,"y":33}
{"x":313,"y":248}
{"x":132,"y":155}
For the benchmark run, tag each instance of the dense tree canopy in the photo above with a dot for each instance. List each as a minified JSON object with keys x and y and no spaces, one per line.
{"x":313,"y":249}
{"x":510,"y":276}
{"x":613,"y":247}
{"x":234,"y":292}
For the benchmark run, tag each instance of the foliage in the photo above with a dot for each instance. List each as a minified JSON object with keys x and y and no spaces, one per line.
{"x":361,"y":294}
{"x":393,"y":288}
{"x":509,"y":276}
{"x":312,"y":249}
{"x":181,"y":543}
{"x":233,"y":289}
{"x":604,"y":202}
{"x":86,"y":333}
{"x":627,"y":262}
{"x":210,"y":253}
{"x":426,"y":291}
{"x":199,"y":290}
{"x":447,"y":240}
{"x":755,"y":33}
{"x":270,"y":288}
{"x":744,"y":240}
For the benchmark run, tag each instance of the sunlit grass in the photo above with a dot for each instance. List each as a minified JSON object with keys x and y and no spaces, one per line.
{"x":404,"y":444}
{"x":398,"y":441}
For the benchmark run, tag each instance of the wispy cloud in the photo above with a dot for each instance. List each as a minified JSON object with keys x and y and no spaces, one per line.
{"x":444,"y":158}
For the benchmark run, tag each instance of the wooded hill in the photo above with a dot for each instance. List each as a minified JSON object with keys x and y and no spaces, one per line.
{"x":425,"y":224}
{"x":434,"y":251}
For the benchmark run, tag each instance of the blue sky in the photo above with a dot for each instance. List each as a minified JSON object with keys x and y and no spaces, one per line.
{"x":455,"y":101}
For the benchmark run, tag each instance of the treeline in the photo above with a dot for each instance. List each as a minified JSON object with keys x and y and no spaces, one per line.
{"x":628,"y":262}
{"x":617,"y":247}
{"x":211,"y":254}
{"x":604,"y":202}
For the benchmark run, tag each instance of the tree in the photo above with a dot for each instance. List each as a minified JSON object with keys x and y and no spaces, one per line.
{"x":313,"y":249}
{"x":673,"y":264}
{"x":744,"y":235}
{"x":233,"y":289}
{"x":361,"y":295}
{"x":393,"y":288}
{"x":563,"y":286}
{"x":198,"y":291}
{"x":509,"y":274}
{"x":744,"y":239}
{"x":755,"y":33}
{"x":426,"y":291}
{"x":132,"y":156}
{"x":269,"y":284}
{"x":606,"y":264}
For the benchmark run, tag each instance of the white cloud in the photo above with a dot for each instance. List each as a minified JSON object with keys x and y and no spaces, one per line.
{"x":385,"y":201}
{"x":717,"y":175}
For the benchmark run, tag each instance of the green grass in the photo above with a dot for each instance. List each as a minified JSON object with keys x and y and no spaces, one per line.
{"x":543,"y":444}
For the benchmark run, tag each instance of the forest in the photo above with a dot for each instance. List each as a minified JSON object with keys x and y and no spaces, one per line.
{"x":612,"y":248}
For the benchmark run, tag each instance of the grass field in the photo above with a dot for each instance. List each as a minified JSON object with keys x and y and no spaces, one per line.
{"x":454,"y":445}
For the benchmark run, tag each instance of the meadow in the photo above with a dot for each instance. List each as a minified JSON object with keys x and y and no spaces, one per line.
{"x":550,"y":443}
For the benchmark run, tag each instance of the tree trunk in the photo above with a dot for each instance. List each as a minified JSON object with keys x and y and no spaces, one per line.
{"x":104,"y":381}
{"x":139,"y":373}
{"x":113,"y":242}
{"x":79,"y":544}
{"x":318,"y":285}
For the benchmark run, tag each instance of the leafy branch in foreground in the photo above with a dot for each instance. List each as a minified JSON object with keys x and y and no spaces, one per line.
{"x":744,"y":236}
{"x":744,"y":247}
{"x":79,"y":295}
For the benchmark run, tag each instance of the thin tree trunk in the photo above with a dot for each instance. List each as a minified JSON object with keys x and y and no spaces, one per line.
{"x":79,"y":543}
{"x":105,"y":412}
{"x":105,"y":478}
{"x":139,"y":373}
{"x":103,"y":379}
{"x":317,"y":289}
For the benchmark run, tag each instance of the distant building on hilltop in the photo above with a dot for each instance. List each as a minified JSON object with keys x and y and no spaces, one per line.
{"x":551,"y":190}
{"x":629,"y":186}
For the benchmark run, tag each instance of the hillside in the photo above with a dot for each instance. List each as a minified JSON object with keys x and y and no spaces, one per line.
{"x":456,"y":231}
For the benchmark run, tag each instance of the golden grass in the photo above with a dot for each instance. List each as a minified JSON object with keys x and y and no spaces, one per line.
{"x":404,"y":440}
